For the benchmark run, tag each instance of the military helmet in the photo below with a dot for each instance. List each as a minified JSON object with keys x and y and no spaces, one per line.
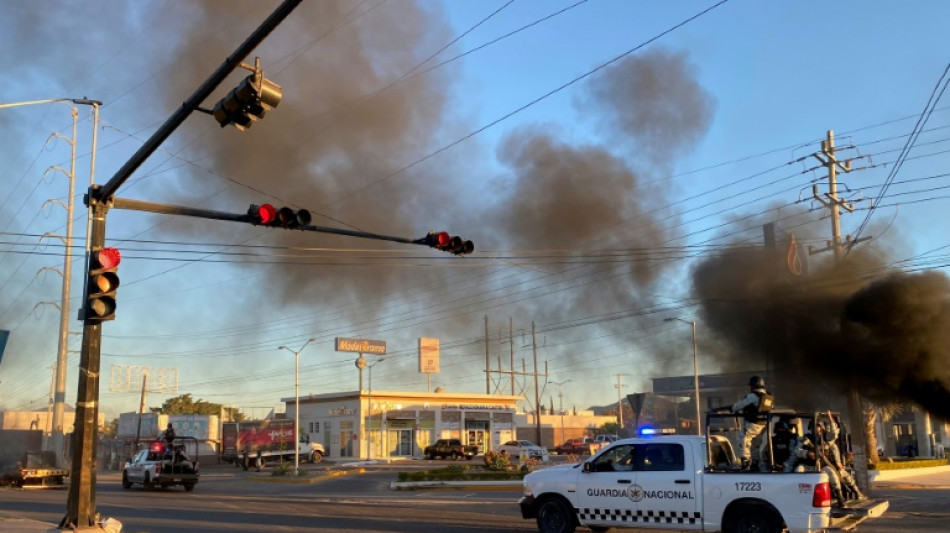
{"x":756,"y":381}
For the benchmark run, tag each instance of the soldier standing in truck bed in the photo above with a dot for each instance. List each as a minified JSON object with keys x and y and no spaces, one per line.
{"x":753,"y":407}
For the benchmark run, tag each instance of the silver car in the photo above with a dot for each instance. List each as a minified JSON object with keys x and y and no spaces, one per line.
{"x":523,"y":448}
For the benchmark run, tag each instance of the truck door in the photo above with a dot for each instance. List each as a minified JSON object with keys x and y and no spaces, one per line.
{"x":604,"y":489}
{"x":136,"y":470}
{"x":666,"y":488}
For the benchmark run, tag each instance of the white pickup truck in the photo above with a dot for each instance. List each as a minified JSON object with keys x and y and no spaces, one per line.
{"x":163,"y":465}
{"x":666,"y":482}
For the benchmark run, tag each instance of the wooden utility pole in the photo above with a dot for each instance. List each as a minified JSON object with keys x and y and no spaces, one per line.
{"x":835,"y":204}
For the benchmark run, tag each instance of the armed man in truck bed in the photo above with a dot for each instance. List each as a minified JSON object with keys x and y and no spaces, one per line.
{"x":754,"y":404}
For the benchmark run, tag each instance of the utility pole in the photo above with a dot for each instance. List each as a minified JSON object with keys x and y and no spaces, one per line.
{"x":619,"y":386}
{"x":537,"y":392}
{"x":511,"y":347}
{"x":62,"y":355}
{"x":835,"y":204}
{"x":487,"y":361}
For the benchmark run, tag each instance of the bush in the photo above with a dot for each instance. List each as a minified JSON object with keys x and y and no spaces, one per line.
{"x":283,"y":469}
{"x":903,"y":464}
{"x":497,"y":462}
{"x":459,"y":473}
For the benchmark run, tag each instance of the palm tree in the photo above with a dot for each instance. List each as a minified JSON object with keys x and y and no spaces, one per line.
{"x":871,"y":409}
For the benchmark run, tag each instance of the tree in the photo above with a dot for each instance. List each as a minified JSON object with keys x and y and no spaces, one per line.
{"x":871,"y":409}
{"x":185,"y":405}
{"x":110,"y":430}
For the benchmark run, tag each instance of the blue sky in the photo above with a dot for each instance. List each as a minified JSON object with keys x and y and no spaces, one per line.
{"x":761,"y":84}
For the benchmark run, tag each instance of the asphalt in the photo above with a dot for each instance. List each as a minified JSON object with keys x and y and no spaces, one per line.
{"x":937,"y":477}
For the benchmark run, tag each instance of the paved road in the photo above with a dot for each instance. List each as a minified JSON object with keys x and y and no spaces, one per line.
{"x":229,"y":500}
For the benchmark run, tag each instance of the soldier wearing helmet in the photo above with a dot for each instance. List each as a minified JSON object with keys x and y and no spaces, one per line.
{"x":821,"y":445}
{"x":752,"y":407}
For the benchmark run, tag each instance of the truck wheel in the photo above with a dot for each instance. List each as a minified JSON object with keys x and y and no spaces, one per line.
{"x":751,"y":519}
{"x":554,"y":516}
{"x":189,"y":486}
{"x":126,"y":484}
{"x":469,"y":457}
{"x":316,"y":457}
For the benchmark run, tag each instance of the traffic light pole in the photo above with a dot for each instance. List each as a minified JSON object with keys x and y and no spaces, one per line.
{"x":81,"y":499}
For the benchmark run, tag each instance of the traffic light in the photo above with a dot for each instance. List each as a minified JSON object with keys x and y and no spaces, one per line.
{"x":249,"y":101}
{"x":288,"y":218}
{"x":442,"y":241}
{"x":102,"y":284}
{"x":285,"y":217}
{"x":261,"y":215}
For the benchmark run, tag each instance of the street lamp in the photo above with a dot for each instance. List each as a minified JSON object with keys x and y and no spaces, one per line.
{"x":59,"y":400}
{"x":297,"y":402}
{"x":560,"y":399}
{"x":695,"y":370}
{"x":361,"y":364}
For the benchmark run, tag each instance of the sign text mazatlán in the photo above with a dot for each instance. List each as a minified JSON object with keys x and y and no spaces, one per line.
{"x":360,"y":346}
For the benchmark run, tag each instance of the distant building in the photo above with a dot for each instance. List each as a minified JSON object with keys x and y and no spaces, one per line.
{"x":41,"y":420}
{"x":391,"y":424}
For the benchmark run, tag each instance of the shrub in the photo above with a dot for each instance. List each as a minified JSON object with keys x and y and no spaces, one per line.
{"x":497,"y":462}
{"x":455,"y":473}
{"x":902,"y":464}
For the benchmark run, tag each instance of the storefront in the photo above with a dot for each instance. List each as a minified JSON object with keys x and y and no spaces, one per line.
{"x":387,"y":424}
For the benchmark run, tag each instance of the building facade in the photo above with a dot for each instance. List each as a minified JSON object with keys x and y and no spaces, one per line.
{"x":389,"y":424}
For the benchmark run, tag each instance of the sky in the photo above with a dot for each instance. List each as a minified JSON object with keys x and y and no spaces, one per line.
{"x":613,"y":162}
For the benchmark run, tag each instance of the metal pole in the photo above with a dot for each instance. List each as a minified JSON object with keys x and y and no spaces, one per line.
{"x":369,"y":417}
{"x":59,"y":400}
{"x":696,"y":382}
{"x":297,"y":402}
{"x":202,"y":93}
{"x":537,"y":392}
{"x":297,"y":413}
{"x":487,"y":361}
{"x":511,"y":345}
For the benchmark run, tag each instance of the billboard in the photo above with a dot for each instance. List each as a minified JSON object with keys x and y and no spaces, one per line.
{"x":428,"y":355}
{"x":360,"y":346}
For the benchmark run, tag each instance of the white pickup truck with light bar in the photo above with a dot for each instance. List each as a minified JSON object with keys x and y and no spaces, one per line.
{"x":680,"y":482}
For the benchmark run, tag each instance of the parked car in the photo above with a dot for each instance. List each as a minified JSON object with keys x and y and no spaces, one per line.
{"x":605,"y":439}
{"x":450,"y":448}
{"x":585,"y":446}
{"x":519,"y":448}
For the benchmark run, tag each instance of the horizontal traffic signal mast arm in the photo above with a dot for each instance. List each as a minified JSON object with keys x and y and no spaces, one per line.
{"x":259,"y":215}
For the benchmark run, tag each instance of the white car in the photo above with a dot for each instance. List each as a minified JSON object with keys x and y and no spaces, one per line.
{"x":523,"y":448}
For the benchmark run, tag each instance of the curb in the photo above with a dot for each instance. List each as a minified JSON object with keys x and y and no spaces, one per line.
{"x":303,"y":480}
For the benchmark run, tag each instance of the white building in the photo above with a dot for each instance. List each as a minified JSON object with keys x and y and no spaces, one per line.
{"x":390,"y":424}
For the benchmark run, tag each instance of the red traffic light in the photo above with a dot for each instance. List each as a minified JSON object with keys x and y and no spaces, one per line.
{"x":108,"y":257}
{"x":442,"y":241}
{"x":101,"y":285}
{"x":262,"y":214}
{"x":437,"y":240}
